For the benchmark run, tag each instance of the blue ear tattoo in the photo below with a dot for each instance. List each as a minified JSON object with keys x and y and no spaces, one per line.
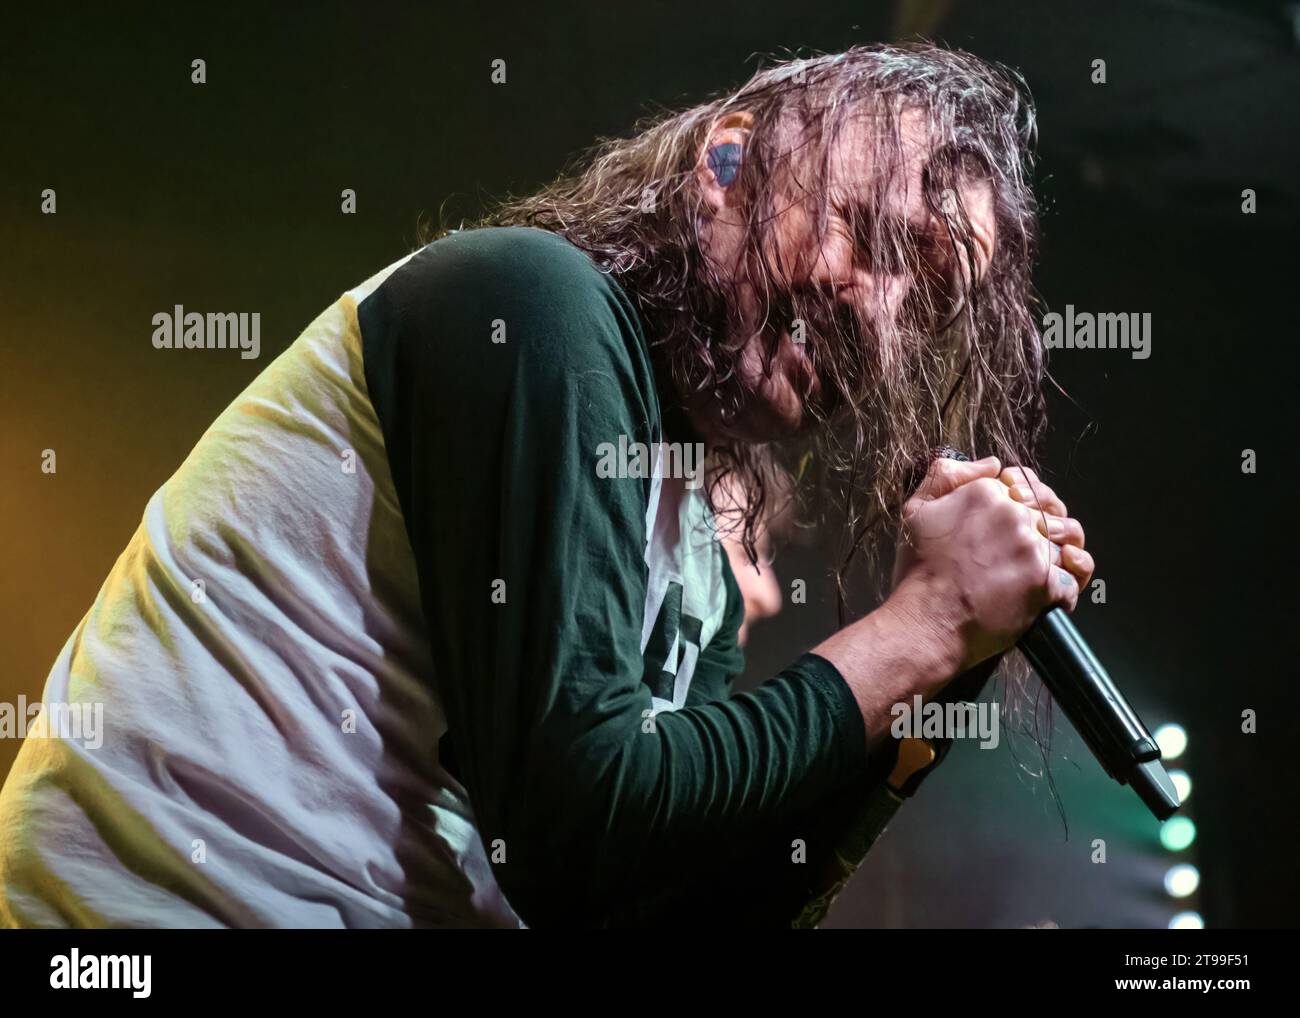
{"x":724,"y":161}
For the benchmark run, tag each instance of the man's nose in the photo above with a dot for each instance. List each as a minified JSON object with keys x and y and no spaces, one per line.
{"x":878,"y":297}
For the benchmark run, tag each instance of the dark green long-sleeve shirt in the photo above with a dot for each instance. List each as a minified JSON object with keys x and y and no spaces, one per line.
{"x":583,"y":627}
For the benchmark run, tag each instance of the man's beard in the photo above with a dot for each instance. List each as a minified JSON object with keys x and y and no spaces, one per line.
{"x":876,"y":397}
{"x":883,"y":386}
{"x":859,"y":364}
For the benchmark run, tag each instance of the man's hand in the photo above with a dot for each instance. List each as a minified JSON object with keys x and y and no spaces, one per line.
{"x":943,"y":476}
{"x":982,"y":563}
{"x":1053,"y":520}
{"x":1027,"y":488}
{"x":975,"y":569}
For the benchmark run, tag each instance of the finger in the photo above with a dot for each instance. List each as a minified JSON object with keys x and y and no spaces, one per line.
{"x":1063,"y":588}
{"x":1050,"y":553}
{"x":1037,"y":498}
{"x":1012,"y":475}
{"x":947,"y":475}
{"x":1037,"y":492}
{"x":1078,"y":562}
{"x":1026,"y":487}
{"x":1027,"y":476}
{"x":1060,"y":529}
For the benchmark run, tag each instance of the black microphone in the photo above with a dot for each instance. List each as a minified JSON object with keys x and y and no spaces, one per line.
{"x":1078,"y":682}
{"x":1095,"y":706}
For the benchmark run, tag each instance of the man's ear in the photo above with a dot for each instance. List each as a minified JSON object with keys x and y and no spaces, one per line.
{"x":721,"y":156}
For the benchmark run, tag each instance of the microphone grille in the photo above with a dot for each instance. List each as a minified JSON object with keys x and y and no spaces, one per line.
{"x":947,"y":452}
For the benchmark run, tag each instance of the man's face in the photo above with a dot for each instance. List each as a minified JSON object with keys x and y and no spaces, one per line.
{"x":837,"y":269}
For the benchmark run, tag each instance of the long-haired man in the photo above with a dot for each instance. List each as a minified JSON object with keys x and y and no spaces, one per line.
{"x":432,"y":626}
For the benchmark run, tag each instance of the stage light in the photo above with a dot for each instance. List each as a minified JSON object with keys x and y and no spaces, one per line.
{"x":1172,"y":740}
{"x":1187,"y":921}
{"x":1183,"y":783}
{"x":1177,"y":833}
{"x":1182,"y":880}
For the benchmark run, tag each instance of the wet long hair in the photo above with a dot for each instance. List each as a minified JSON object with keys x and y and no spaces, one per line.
{"x":958,"y":363}
{"x":963,"y":368}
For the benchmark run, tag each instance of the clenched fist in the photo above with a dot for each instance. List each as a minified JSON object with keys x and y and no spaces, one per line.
{"x":983,"y":551}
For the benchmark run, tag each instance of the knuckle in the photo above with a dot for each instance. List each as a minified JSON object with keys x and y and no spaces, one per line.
{"x":1012,"y":514}
{"x":1029,"y":546}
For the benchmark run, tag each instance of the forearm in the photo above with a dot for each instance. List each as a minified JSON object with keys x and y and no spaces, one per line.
{"x":899,"y":650}
{"x":618,"y":799}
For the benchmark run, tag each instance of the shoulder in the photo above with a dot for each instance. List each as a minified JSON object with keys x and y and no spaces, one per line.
{"x":517,"y":255}
{"x":525,"y":289}
{"x":502,"y":316}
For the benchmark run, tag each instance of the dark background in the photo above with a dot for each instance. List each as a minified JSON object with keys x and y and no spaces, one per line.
{"x":226,"y":195}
